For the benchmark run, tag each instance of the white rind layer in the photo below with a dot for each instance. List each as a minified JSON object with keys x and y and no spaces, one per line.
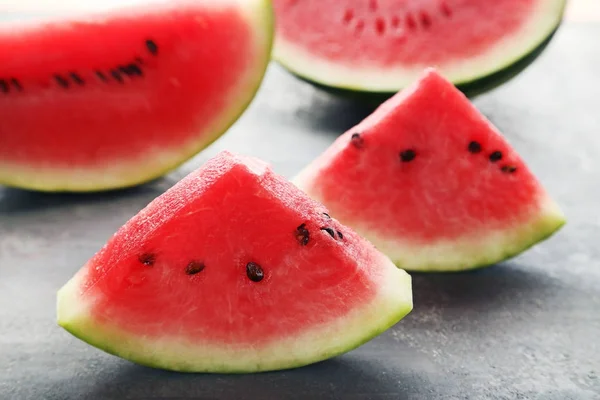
{"x":392,"y":301}
{"x":544,"y":20}
{"x":474,"y":250}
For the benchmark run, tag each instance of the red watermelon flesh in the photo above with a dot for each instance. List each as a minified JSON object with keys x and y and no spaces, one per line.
{"x":432,"y":183}
{"x":105,"y":100}
{"x":382,"y":45}
{"x":233,"y":270}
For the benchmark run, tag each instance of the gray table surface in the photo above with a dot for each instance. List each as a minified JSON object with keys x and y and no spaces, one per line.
{"x":526,"y":329}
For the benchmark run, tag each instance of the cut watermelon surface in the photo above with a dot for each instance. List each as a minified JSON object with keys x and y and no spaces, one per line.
{"x":112,"y":99}
{"x":233,"y":270}
{"x":383,"y":45}
{"x":432,"y":183}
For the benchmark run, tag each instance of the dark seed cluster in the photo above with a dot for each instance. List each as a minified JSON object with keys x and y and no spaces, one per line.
{"x":302,"y":235}
{"x":116,"y":75}
{"x":73,"y":78}
{"x":76,"y":78}
{"x":398,"y":24}
{"x":8,"y":85}
{"x":61,"y":81}
{"x":101,"y":75}
{"x":332,"y":232}
{"x":495,"y":156}
{"x":131,"y":70}
{"x":254,"y":271}
{"x":329,"y":230}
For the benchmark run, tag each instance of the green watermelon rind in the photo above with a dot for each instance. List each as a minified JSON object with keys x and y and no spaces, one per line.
{"x":544,"y":222}
{"x":51,"y":179}
{"x":523,"y":238}
{"x":471,"y":87}
{"x":390,"y":305}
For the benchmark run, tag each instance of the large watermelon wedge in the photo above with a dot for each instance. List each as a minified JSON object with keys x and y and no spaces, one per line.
{"x":432,"y":183}
{"x":233,"y":270}
{"x":380,"y":46}
{"x":109,"y":99}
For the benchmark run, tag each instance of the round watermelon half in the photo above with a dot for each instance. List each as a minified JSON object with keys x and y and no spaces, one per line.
{"x":233,"y":270}
{"x":378,"y":47}
{"x":110,"y":99}
{"x":432,"y":183}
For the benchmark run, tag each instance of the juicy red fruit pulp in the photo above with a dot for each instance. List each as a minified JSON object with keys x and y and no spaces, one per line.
{"x":94,"y":92}
{"x":389,"y":32}
{"x":428,"y":158}
{"x":224,"y":257}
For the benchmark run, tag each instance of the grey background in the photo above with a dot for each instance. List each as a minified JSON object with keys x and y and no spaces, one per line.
{"x":526,"y":329}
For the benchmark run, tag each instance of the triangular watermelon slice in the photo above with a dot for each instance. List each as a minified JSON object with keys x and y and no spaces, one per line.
{"x":430,"y":182}
{"x":233,"y":270}
{"x":121,"y":94}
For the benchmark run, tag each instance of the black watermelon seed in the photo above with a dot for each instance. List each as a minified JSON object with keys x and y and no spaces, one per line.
{"x":407,"y":155}
{"x":340,"y":235}
{"x":254,"y":272}
{"x":115,"y":74}
{"x":124,"y":69}
{"x":357,"y":140}
{"x":147,"y":259}
{"x":302,"y":235}
{"x":509,"y":169}
{"x":131,"y":70}
{"x":496,"y":156}
{"x":76,"y":78}
{"x":16,"y":84}
{"x":151,"y":46}
{"x":329,"y":230}
{"x":4,"y":86}
{"x":61,"y":81}
{"x":194,"y":267}
{"x":101,"y":75}
{"x":327,"y":215}
{"x":474,"y":147}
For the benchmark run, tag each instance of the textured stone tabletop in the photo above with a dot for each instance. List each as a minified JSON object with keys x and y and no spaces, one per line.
{"x":525,"y":329}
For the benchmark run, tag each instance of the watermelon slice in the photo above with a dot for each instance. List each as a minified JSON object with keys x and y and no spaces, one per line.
{"x":380,"y":46}
{"x":233,"y":270}
{"x":111,"y":99}
{"x":432,"y":183}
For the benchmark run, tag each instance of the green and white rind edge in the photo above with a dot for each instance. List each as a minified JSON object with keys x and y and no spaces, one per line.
{"x":159,"y":161}
{"x":475,"y":251}
{"x":465,"y":253}
{"x":543,"y":22}
{"x":392,"y":302}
